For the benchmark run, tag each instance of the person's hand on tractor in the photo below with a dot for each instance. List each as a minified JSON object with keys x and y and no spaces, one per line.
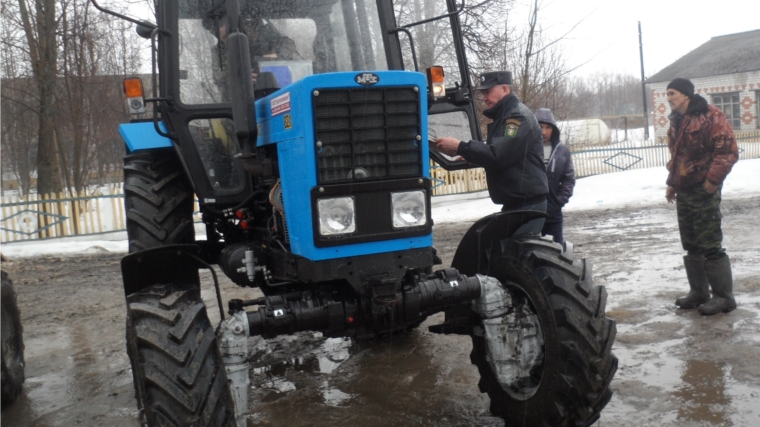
{"x":447,"y":145}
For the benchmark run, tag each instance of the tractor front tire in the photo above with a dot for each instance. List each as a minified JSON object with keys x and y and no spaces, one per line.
{"x":178,"y":373}
{"x":12,"y":342}
{"x":570,"y":386}
{"x":158,"y":200}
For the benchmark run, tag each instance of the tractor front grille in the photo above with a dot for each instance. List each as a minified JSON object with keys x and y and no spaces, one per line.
{"x":367,"y":134}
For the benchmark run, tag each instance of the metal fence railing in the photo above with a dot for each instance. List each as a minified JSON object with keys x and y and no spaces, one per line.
{"x":35,"y":217}
{"x":66,"y":214}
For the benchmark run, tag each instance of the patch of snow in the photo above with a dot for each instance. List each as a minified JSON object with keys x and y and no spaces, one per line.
{"x":635,"y":188}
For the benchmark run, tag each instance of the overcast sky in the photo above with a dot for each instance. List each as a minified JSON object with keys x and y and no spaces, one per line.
{"x":607,"y":39}
{"x":670,"y":29}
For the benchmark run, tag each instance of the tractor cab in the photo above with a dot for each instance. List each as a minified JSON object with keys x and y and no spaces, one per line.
{"x":288,"y":41}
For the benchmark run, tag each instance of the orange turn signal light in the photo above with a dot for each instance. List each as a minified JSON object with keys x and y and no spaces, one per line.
{"x":435,"y":74}
{"x":133,"y":88}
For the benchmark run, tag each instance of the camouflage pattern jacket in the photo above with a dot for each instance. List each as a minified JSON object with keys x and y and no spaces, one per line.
{"x":702,"y":146}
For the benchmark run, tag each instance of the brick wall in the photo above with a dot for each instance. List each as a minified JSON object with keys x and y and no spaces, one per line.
{"x":747,"y":84}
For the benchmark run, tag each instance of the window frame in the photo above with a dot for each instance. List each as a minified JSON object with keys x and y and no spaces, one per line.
{"x":736,"y":107}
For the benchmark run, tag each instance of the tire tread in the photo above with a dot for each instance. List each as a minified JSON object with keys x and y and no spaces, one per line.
{"x":585,"y":364}
{"x":158,"y":200}
{"x":179,"y":374}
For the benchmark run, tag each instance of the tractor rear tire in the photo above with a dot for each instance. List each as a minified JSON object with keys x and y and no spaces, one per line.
{"x":178,"y":373}
{"x":571,"y":386}
{"x":12,"y":342}
{"x":158,"y":200}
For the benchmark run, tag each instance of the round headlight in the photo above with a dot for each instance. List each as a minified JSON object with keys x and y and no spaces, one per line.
{"x":409,"y":209}
{"x":336,"y":216}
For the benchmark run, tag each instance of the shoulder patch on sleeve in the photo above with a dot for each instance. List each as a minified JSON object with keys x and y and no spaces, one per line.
{"x":513,"y":125}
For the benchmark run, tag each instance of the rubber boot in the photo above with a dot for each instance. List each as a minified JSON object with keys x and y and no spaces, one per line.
{"x":719,"y":275}
{"x":699,"y":289}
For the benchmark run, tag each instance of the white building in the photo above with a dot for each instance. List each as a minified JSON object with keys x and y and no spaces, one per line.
{"x":725,"y":71}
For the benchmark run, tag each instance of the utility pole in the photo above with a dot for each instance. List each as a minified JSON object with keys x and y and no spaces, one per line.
{"x":643,"y":86}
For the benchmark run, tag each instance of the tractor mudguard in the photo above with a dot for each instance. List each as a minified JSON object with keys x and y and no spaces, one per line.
{"x":143,"y":136}
{"x":472,"y":251}
{"x":160,"y":266}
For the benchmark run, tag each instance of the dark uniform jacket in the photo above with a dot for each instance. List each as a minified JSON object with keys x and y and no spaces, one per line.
{"x":702,"y":146}
{"x":512,"y":157}
{"x":560,"y":173}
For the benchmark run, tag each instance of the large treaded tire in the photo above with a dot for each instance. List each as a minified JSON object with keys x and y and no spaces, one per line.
{"x":572,"y":385}
{"x":178,"y":372}
{"x":13,"y":344}
{"x":159,"y":200}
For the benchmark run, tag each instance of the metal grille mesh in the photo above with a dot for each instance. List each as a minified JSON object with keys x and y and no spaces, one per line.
{"x":367,"y":134}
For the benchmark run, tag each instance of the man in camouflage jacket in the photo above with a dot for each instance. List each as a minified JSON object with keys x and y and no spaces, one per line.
{"x":703,"y":150}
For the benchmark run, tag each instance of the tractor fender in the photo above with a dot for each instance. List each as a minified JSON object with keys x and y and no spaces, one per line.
{"x":161,"y":265}
{"x":471,"y":256}
{"x":142,"y":135}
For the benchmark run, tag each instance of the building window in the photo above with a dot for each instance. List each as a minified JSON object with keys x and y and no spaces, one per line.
{"x":729,"y":103}
{"x":757,"y":108}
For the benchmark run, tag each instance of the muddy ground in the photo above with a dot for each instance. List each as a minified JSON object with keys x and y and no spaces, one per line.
{"x":677,"y":368}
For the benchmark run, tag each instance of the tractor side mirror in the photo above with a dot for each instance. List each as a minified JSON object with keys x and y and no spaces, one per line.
{"x":241,"y":84}
{"x":144,"y":29}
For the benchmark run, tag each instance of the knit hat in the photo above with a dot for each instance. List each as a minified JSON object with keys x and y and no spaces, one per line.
{"x":685,"y":86}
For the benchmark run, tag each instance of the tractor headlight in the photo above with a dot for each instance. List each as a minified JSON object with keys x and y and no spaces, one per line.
{"x":336,"y":216}
{"x":409,"y":209}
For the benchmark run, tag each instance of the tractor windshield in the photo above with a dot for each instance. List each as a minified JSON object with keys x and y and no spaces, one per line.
{"x":289,"y":38}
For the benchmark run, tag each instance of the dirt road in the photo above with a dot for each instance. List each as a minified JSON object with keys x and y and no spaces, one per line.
{"x":677,"y":368}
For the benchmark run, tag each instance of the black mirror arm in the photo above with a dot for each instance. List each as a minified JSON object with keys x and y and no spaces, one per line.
{"x":147,"y":24}
{"x":411,"y":44}
{"x":405,"y":29}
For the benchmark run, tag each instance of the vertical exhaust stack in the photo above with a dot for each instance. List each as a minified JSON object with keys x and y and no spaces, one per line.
{"x":241,"y":80}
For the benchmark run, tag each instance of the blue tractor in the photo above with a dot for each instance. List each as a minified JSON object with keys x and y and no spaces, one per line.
{"x":303,"y":126}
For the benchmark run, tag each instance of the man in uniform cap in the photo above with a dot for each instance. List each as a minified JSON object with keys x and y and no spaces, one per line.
{"x":702,"y":152}
{"x":512,"y":155}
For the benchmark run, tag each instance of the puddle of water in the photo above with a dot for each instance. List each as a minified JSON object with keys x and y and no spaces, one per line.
{"x":333,"y":396}
{"x":323,"y":360}
{"x":703,"y":393}
{"x":67,"y":376}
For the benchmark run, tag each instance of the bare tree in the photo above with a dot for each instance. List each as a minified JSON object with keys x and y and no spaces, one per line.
{"x":40,"y":26}
{"x":87,"y":98}
{"x":77,"y":106}
{"x":18,"y":109}
{"x":482,"y":26}
{"x":19,"y":131}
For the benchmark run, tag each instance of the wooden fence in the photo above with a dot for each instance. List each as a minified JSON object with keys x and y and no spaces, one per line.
{"x":455,"y":182}
{"x":67,"y":214}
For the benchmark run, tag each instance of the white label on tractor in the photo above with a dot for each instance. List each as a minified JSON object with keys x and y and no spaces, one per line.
{"x":209,"y":200}
{"x":280,"y":104}
{"x":278,"y":312}
{"x":454,"y":283}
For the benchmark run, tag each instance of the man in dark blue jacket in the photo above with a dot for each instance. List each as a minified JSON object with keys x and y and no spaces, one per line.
{"x":559,"y":171}
{"x":512,"y":155}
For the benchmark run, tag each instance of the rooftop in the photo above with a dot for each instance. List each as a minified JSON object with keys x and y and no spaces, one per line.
{"x":728,"y":54}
